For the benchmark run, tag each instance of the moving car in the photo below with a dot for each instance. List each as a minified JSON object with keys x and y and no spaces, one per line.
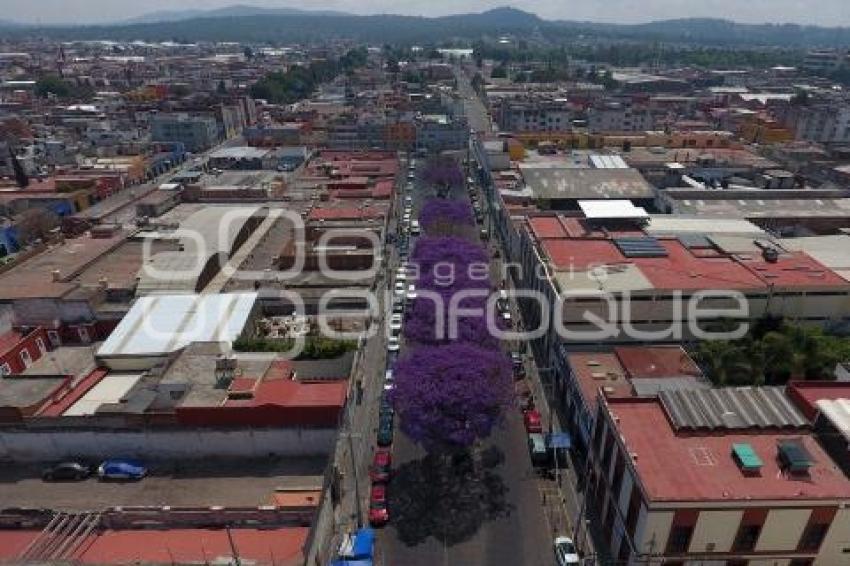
{"x":121,"y":469}
{"x":66,"y":471}
{"x":381,"y":466}
{"x":565,"y":552}
{"x":379,"y":514}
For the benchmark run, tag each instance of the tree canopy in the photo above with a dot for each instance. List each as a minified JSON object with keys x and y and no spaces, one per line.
{"x":773,"y":356}
{"x":448,"y":397}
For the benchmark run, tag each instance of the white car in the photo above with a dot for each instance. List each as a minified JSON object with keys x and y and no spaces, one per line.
{"x":565,"y":552}
{"x":395,"y":322}
{"x":401,"y":275}
{"x":393,"y":344}
{"x":399,"y":288}
{"x":389,"y":382}
{"x":408,"y":200}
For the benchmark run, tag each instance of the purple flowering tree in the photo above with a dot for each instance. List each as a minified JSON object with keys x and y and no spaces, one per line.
{"x":444,"y":173}
{"x":446,"y":217}
{"x":430,"y":251}
{"x":449,"y":397}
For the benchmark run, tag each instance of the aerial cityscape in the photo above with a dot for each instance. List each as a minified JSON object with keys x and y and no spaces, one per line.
{"x":416,"y":284}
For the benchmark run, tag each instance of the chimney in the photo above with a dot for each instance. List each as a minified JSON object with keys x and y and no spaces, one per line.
{"x":57,"y":275}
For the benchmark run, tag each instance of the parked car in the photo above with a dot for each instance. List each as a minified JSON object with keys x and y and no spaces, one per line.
{"x":67,"y":471}
{"x":393,"y":343}
{"x":537,"y":450}
{"x":381,"y":466}
{"x":533,"y":421}
{"x":385,"y":431}
{"x":379,"y":513}
{"x":565,"y":552}
{"x":396,"y":322}
{"x":389,"y":380}
{"x":386,"y":409}
{"x":121,"y":469}
{"x":399,"y":288}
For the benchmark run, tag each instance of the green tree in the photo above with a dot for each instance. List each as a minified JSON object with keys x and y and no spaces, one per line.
{"x":52,"y":84}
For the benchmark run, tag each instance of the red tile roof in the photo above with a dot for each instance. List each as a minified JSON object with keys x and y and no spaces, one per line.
{"x":346,"y":213}
{"x":792,"y":270}
{"x":683,"y":270}
{"x":656,"y":362}
{"x":700,"y":467}
{"x":282,"y":547}
{"x":56,"y":407}
{"x":547,"y":227}
{"x":580,"y":255}
{"x":806,"y":394}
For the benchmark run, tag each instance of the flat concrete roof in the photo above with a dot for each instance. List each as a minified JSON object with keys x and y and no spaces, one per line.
{"x":562,"y":183}
{"x":686,"y":467}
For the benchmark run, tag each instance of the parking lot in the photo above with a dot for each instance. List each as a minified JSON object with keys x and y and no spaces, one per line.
{"x":228,"y":483}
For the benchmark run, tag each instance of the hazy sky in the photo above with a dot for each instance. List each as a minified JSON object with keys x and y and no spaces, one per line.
{"x":823,"y":12}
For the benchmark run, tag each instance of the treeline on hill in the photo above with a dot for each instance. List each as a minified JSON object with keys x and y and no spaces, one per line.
{"x":300,"y":82}
{"x":635,"y":54}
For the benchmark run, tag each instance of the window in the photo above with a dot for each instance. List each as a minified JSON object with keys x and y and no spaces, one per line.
{"x":813,"y":537}
{"x":39,"y":342}
{"x":53,"y":336}
{"x":26,"y":359}
{"x":746,"y":538}
{"x":680,"y":539}
{"x":83,"y":334}
{"x":5,"y":369}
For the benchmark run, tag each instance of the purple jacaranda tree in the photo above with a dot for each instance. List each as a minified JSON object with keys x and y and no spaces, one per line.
{"x":436,"y":320}
{"x":446,"y":218}
{"x":443,"y":172}
{"x":449,"y":397}
{"x":431,"y":251}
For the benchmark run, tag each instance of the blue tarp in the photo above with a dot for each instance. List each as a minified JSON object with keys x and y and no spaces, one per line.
{"x":354,"y":562}
{"x":559,"y":440}
{"x":364,"y":543}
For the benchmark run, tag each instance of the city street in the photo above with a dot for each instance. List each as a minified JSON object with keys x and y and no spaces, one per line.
{"x":497,"y":517}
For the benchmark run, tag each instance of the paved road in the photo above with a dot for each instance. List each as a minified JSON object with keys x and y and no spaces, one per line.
{"x":474,"y":109}
{"x":496,"y":519}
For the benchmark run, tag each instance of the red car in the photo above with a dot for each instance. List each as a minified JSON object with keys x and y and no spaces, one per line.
{"x":381,"y":466}
{"x":379,"y":513}
{"x":532,"y":421}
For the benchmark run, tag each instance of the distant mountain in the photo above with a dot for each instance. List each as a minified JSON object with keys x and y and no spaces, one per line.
{"x":283,"y":25}
{"x":235,"y":11}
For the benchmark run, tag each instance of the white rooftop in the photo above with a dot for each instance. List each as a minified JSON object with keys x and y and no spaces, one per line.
{"x":110,"y":389}
{"x":160,"y":324}
{"x":611,"y":209}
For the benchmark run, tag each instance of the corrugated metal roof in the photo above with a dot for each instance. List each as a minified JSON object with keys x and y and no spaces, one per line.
{"x":731,"y":408}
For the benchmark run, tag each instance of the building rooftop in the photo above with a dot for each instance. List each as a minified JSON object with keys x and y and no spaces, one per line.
{"x":160,"y":324}
{"x":51,"y":273}
{"x":568,"y":183}
{"x":686,"y":467}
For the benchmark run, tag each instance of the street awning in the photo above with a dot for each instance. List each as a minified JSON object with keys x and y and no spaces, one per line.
{"x":559,"y":440}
